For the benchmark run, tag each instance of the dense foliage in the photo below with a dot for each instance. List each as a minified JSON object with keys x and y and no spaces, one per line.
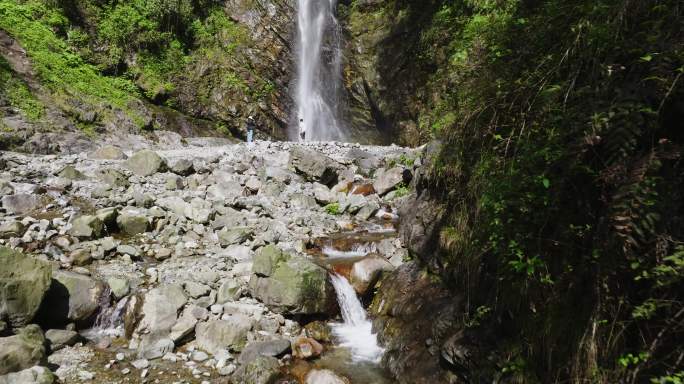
{"x":562,"y":170}
{"x":101,"y":56}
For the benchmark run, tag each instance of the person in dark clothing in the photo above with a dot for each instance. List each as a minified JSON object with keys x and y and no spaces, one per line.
{"x":302,"y":130}
{"x":250,"y":129}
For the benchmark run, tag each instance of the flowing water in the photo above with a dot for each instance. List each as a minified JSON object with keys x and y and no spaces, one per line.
{"x":355,"y":333}
{"x":319,"y":75}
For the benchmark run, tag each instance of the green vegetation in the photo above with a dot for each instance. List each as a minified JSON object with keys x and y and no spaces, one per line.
{"x":111,"y":59}
{"x":333,"y":209}
{"x":18,"y":94}
{"x":561,"y":171}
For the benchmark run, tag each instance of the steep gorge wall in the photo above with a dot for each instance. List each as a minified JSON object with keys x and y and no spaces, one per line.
{"x":84,"y":70}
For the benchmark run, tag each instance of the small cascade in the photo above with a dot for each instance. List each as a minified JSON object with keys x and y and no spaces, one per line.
{"x":355,"y":333}
{"x":358,"y":250}
{"x":109,"y":321}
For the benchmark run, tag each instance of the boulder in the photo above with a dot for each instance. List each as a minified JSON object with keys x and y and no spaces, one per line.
{"x":173,"y":182}
{"x":261,"y":370}
{"x":60,"y":338}
{"x":108,"y":216}
{"x":323,"y":194}
{"x":267,"y":259}
{"x":366,"y":272}
{"x":72,"y":297}
{"x":388,"y":179}
{"x":306,"y":348}
{"x":23,"y":350}
{"x":24,"y":281}
{"x":6,"y":188}
{"x":108,"y":152}
{"x":23,"y":203}
{"x":185,"y":325}
{"x":273,"y":348}
{"x":160,"y":309}
{"x":33,"y":375}
{"x":291,"y":284}
{"x":314,"y":166}
{"x":12,"y":228}
{"x":87,"y":227}
{"x":80,"y":257}
{"x":237,"y":235}
{"x":324,"y":376}
{"x":153,"y":346}
{"x":119,"y":286}
{"x":71,"y":173}
{"x":197,"y":209}
{"x":112,"y":178}
{"x":230,"y":290}
{"x":132,"y":221}
{"x":146,"y":163}
{"x":229,"y":333}
{"x":182,"y":167}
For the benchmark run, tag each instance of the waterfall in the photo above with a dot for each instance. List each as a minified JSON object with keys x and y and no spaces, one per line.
{"x":356,"y":332}
{"x":319,"y":71}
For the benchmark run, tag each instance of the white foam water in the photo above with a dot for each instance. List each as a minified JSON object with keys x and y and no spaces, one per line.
{"x":109,"y":322}
{"x":358,"y":250}
{"x":355,"y":333}
{"x":319,"y":74}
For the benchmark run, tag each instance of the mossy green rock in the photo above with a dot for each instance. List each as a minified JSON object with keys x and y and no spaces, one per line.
{"x":23,"y":350}
{"x":295,"y":285}
{"x":71,"y":173}
{"x":262,"y":370}
{"x":132,"y":222}
{"x":87,"y":227}
{"x":146,"y":163}
{"x":265,"y":261}
{"x":24,"y":281}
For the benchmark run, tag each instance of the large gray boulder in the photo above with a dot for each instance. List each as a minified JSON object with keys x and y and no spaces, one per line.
{"x":132,"y":221}
{"x":159,"y":315}
{"x":72,"y":298}
{"x":33,"y":375}
{"x":314,"y":166}
{"x":112,"y":177}
{"x":388,"y":179}
{"x":261,"y":370}
{"x":229,"y":333}
{"x":146,"y":163}
{"x":71,"y":173}
{"x":273,"y":348}
{"x":23,"y":350}
{"x":366,"y":272}
{"x":290,"y":284}
{"x":324,"y":376}
{"x":87,"y":227}
{"x":108,"y":152}
{"x":24,"y":281}
{"x":23,"y":203}
{"x":237,"y":235}
{"x":12,"y":228}
{"x":160,"y":309}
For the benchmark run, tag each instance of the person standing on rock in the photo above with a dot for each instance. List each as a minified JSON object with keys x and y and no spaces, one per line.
{"x":250,"y":129}
{"x":302,"y":130}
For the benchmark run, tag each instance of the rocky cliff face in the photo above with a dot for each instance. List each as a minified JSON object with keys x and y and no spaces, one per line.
{"x":66,"y":82}
{"x":386,"y":72}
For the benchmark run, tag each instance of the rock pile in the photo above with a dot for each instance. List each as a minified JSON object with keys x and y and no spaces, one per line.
{"x":197,"y":257}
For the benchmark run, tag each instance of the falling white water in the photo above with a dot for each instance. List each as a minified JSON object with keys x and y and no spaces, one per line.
{"x":109,"y":322}
{"x":356,"y":332}
{"x":358,"y":250}
{"x":319,"y":73}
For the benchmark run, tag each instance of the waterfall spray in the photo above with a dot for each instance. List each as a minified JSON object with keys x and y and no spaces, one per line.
{"x":319,"y":65}
{"x":356,"y":333}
